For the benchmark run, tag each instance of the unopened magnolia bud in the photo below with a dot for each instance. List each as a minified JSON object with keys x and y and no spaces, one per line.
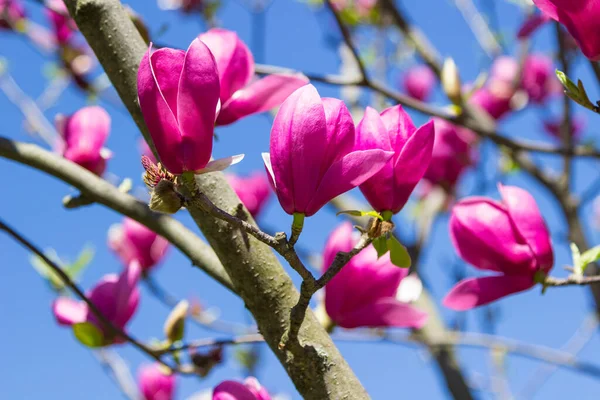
{"x":323,"y":318}
{"x":165,"y":199}
{"x":175,"y":324}
{"x":451,"y":81}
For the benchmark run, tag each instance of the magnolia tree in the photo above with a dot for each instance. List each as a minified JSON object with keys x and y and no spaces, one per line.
{"x":410,"y":193}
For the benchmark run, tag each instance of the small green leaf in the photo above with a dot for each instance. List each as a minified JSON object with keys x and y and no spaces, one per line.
{"x":380,"y":245}
{"x":88,"y":334}
{"x":590,"y":256}
{"x":358,"y":213}
{"x":85,"y":258}
{"x":398,"y":253}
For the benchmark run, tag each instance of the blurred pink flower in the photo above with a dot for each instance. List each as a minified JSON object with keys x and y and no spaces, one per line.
{"x":155,"y":384}
{"x":84,"y":134}
{"x":115,"y":296}
{"x":509,"y":237}
{"x":253,"y":190}
{"x":62,"y":24}
{"x":251,"y":389}
{"x":419,"y":81}
{"x":132,"y":241}
{"x":452,"y":153}
{"x":240,"y":96}
{"x":553,"y":127}
{"x":11,"y":13}
{"x":363,"y":293}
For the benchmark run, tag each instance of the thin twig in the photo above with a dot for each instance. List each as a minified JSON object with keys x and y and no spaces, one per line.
{"x":79,"y":293}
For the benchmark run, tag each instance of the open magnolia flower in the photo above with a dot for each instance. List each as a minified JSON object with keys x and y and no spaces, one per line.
{"x":115,"y":296}
{"x":179,"y":97}
{"x":240,"y":95}
{"x":313,"y":154}
{"x":508,"y":237}
{"x":364,"y":292}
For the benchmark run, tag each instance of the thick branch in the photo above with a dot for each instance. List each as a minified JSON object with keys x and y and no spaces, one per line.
{"x":313,"y":362}
{"x":106,"y":194}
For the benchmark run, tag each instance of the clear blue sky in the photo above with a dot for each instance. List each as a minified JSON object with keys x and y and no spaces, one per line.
{"x":41,"y":360}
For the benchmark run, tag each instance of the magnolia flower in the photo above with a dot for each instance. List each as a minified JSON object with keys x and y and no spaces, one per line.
{"x":554,"y":126}
{"x":132,"y":241}
{"x":11,"y":13}
{"x":253,"y":190}
{"x":83,"y":136}
{"x":419,"y":81}
{"x":364,"y":292}
{"x":508,"y":237}
{"x":115,"y":296}
{"x":313,"y":156}
{"x":240,"y":96}
{"x":251,"y":389}
{"x":390,"y":188}
{"x":155,"y":384}
{"x":179,"y":93}
{"x":580,"y":17}
{"x":62,"y":24}
{"x":452,"y":154}
{"x":539,"y":79}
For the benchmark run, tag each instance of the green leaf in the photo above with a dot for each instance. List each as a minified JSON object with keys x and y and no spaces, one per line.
{"x":590,"y":256}
{"x":398,"y":253}
{"x":358,"y":213}
{"x":88,"y":335}
{"x":380,"y":245}
{"x":85,"y":258}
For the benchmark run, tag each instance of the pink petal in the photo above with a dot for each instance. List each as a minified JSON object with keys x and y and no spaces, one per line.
{"x":347,"y":173}
{"x":548,"y":7}
{"x":154,"y":384}
{"x":127,"y":294}
{"x":158,"y":115}
{"x":68,"y":311}
{"x":484,"y":235}
{"x":386,"y":312}
{"x":340,"y":132}
{"x":259,"y":391}
{"x":234,"y":60}
{"x":197,"y":105}
{"x":475,"y":292}
{"x":232,"y":390}
{"x":419,"y":81}
{"x":298,"y":139}
{"x":260,"y":96}
{"x":371,"y":133}
{"x":398,"y":124}
{"x":527,"y":218}
{"x":87,"y":130}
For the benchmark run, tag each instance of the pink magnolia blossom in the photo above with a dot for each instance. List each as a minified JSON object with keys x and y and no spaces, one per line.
{"x":155,"y":384}
{"x":363,"y":293}
{"x":419,"y":82}
{"x":115,"y":296}
{"x":251,"y":389}
{"x":62,"y":24}
{"x":508,"y":237}
{"x":11,"y":12}
{"x":132,"y":241}
{"x":83,"y":136}
{"x":580,"y":17}
{"x":313,"y":155}
{"x":240,"y":96}
{"x":452,"y":154}
{"x":253,"y":190}
{"x":390,"y":188}
{"x":494,"y":99}
{"x":539,"y":79}
{"x":553,"y":127}
{"x":178,"y":93}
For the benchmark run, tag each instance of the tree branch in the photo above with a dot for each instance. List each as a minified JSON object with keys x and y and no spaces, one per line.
{"x":313,"y":362}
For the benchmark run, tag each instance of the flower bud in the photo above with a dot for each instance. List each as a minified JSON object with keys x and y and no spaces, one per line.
{"x":165,"y":199}
{"x":451,"y":81}
{"x":175,"y":324}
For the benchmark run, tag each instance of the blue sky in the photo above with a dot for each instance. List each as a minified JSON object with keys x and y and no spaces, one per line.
{"x":40,"y":359}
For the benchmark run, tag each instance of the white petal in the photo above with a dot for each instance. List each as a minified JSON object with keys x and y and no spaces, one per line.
{"x":220,"y":164}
